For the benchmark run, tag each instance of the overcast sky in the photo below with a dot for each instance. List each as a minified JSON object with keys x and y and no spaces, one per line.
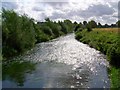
{"x":104,"y":11}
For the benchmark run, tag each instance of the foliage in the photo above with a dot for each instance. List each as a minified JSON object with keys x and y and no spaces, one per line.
{"x":20,"y":33}
{"x":17,"y":33}
{"x":106,"y":42}
{"x":92,"y":24}
{"x":115,"y":77}
{"x":89,"y":28}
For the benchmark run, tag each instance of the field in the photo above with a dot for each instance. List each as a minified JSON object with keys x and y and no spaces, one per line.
{"x":114,"y":30}
{"x":107,"y":41}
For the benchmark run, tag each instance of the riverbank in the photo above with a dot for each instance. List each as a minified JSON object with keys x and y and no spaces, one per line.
{"x":20,"y":33}
{"x":106,"y":41}
{"x":61,"y":63}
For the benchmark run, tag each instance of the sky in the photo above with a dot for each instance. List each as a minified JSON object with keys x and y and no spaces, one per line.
{"x":103,"y":11}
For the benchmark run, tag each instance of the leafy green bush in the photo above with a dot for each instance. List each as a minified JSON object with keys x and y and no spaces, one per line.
{"x":42,"y":38}
{"x":17,"y":33}
{"x":89,"y":28}
{"x":20,"y":33}
{"x":113,"y":54}
{"x":78,"y":36}
{"x":47,"y":30}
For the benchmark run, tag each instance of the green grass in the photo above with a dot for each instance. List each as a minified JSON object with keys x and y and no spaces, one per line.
{"x":115,"y":77}
{"x":108,"y":42}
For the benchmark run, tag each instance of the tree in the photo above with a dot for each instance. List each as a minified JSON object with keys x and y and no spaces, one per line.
{"x":18,"y":33}
{"x":69,"y":25}
{"x":99,"y":25}
{"x":75,"y":23}
{"x":113,"y":25}
{"x":47,"y":20}
{"x":78,"y":27}
{"x":118,"y":23}
{"x":63,"y":27}
{"x":106,"y":26}
{"x":84,"y":23}
{"x":93,"y":24}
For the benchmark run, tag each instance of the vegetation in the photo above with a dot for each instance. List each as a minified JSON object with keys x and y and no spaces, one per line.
{"x":104,"y":41}
{"x":17,"y":33}
{"x":107,"y":41}
{"x":114,"y":77}
{"x":20,"y":33}
{"x":16,"y":70}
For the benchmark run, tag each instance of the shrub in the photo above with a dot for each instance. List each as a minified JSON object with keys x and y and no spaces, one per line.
{"x":113,"y":55}
{"x":89,"y":29}
{"x":18,"y":33}
{"x":47,"y":30}
{"x":78,"y":36}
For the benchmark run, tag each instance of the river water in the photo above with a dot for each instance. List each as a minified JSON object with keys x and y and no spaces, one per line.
{"x":61,"y":63}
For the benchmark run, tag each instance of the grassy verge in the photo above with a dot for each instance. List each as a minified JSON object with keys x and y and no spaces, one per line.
{"x":107,"y":41}
{"x":114,"y":74}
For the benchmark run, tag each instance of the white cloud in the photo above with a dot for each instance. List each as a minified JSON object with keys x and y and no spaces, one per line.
{"x":103,"y":11}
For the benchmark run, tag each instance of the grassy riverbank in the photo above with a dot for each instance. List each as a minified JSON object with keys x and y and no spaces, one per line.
{"x":107,"y":41}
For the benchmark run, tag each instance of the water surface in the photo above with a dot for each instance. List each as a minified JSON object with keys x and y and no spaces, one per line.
{"x":61,"y":63}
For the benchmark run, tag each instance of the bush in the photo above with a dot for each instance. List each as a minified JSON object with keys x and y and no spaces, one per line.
{"x":17,"y":33}
{"x":89,"y":29}
{"x":78,"y":36}
{"x":42,"y":38}
{"x":47,"y":30}
{"x":113,"y":55}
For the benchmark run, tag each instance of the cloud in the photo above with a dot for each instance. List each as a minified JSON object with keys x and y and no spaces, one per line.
{"x":9,"y":5}
{"x":97,"y":10}
{"x":79,"y":10}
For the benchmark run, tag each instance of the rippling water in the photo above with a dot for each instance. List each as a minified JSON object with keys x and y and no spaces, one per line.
{"x":64,"y":63}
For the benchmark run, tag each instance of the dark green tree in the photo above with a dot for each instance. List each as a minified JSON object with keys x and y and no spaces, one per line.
{"x":92,"y":23}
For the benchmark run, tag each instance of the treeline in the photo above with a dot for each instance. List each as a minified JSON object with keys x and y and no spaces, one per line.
{"x":20,"y":33}
{"x":92,"y":24}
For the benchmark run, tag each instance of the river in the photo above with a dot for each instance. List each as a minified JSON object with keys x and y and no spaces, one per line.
{"x":61,"y":63}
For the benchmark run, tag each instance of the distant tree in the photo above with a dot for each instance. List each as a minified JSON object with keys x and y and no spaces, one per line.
{"x":92,"y":23}
{"x":67,"y":21}
{"x":47,"y":19}
{"x":113,"y":25}
{"x":47,"y":30}
{"x":89,"y":28}
{"x":99,"y":25}
{"x":80,"y":24}
{"x":118,"y":23}
{"x":78,"y":27}
{"x":106,"y":26}
{"x":63,"y":27}
{"x":69,"y":25}
{"x":75,"y":23}
{"x":84,"y":23}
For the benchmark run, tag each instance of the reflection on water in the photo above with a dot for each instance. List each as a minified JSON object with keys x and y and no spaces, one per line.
{"x":15,"y":71}
{"x":61,"y":63}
